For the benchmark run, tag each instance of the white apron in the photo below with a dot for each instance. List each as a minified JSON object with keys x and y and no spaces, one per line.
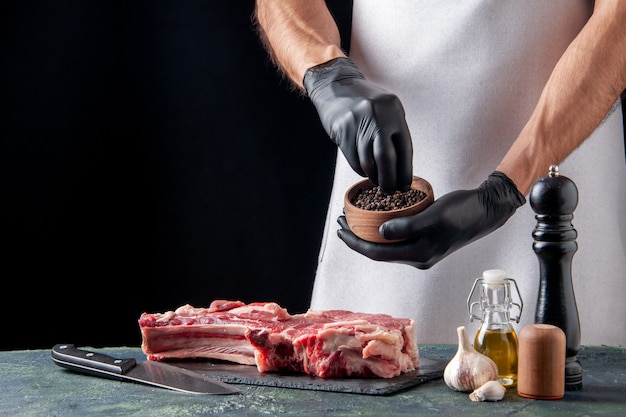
{"x":469,"y":75}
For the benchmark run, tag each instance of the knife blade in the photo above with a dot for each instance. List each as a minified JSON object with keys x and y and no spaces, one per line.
{"x":147,"y":372}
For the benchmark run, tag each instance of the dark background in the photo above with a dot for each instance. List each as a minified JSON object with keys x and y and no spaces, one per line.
{"x":151,"y":156}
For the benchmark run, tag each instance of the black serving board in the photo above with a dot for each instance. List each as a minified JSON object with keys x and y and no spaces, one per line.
{"x":428,"y":370}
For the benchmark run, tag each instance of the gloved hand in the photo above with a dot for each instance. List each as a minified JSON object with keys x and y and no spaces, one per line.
{"x":366,"y":122}
{"x":451,"y":222}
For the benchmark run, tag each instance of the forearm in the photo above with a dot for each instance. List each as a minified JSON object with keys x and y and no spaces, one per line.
{"x":583,"y":86}
{"x":298,"y":35}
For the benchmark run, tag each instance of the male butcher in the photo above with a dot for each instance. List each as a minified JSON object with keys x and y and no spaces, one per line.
{"x":480,"y":98}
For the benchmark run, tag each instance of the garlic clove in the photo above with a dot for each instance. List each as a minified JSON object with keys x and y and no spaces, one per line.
{"x":489,"y":391}
{"x":468,"y":369}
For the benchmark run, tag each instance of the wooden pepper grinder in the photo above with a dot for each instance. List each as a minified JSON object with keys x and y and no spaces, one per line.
{"x":553,"y":198}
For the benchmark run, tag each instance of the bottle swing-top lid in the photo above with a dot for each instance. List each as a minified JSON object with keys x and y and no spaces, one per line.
{"x":494,"y":277}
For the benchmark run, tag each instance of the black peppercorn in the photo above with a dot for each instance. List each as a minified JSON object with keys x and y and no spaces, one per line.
{"x":374,"y":199}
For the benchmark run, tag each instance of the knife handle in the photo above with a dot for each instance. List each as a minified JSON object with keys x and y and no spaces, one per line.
{"x":70,"y":356}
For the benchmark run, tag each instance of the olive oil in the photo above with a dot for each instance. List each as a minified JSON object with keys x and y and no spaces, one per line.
{"x":496,"y":337}
{"x":501,"y":346}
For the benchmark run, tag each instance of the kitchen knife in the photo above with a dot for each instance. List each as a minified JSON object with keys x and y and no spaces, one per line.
{"x":147,"y":372}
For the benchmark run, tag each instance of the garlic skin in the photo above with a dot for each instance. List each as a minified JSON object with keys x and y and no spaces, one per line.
{"x":489,"y":391}
{"x":468,"y":369}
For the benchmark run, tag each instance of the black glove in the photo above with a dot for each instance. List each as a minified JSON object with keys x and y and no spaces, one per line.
{"x":451,"y":222}
{"x":366,"y":122}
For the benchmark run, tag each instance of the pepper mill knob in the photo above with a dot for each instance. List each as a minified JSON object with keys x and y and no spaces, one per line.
{"x":554,"y":194}
{"x":553,"y":198}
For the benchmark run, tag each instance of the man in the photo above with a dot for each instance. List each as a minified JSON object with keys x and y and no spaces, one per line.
{"x":479,"y":98}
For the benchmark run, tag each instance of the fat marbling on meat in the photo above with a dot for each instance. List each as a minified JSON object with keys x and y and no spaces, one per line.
{"x":331,"y":343}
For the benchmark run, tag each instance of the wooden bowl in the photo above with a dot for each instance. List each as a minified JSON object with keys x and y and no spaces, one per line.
{"x":365,"y":223}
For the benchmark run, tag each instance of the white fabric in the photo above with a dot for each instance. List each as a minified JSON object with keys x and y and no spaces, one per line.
{"x":469,"y":74}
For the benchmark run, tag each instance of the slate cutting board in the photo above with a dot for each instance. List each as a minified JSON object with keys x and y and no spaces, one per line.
{"x":428,"y":370}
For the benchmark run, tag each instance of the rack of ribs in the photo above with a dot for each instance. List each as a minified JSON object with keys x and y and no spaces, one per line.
{"x":327,"y":344}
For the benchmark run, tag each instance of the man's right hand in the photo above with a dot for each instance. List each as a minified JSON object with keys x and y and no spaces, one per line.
{"x":365,"y":121}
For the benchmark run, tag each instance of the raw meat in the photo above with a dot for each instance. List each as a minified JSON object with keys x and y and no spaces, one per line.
{"x":334,"y":343}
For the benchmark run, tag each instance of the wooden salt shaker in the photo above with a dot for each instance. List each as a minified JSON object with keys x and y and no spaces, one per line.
{"x":541,"y":363}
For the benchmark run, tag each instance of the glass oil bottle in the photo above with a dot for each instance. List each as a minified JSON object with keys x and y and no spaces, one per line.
{"x":496,"y":337}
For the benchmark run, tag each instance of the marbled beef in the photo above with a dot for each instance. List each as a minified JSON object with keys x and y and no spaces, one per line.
{"x":334,"y":343}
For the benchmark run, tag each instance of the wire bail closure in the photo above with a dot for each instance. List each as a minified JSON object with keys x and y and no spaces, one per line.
{"x":509,"y":301}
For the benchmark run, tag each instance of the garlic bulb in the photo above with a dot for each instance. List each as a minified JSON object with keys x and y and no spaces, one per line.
{"x":468,"y":369}
{"x":489,"y":391}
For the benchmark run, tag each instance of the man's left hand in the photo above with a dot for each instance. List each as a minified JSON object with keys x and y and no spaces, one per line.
{"x":451,"y":222}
